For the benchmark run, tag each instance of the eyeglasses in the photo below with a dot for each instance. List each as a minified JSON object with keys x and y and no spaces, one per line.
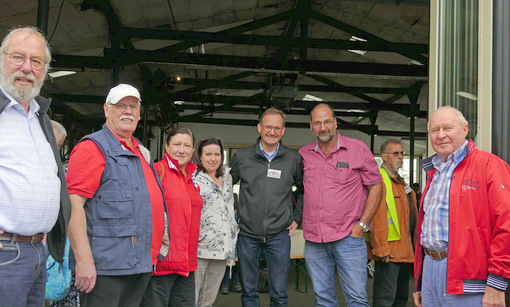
{"x":327,"y":123}
{"x":396,"y":153}
{"x":121,"y":106}
{"x":19,"y":59}
{"x":269,"y":128}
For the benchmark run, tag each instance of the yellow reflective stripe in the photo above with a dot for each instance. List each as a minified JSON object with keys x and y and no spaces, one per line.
{"x":393,"y":228}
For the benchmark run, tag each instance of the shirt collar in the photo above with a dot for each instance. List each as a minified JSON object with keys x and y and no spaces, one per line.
{"x":33,"y":109}
{"x":267,"y":154}
{"x":338,"y":143}
{"x":388,"y":171}
{"x":456,"y":157}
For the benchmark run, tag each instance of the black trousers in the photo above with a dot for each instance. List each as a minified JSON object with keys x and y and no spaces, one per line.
{"x":120,"y":291}
{"x":170,"y":290}
{"x":391,"y":284}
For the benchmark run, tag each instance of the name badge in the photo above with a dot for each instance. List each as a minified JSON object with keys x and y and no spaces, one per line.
{"x":340,"y":164}
{"x":408,"y":189}
{"x":274,"y":173}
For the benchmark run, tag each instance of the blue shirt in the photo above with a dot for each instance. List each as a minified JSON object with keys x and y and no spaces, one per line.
{"x":29,"y":182}
{"x":269,"y":156}
{"x":435,"y":228}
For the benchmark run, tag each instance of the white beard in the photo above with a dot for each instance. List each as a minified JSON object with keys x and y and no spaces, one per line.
{"x":20,"y":93}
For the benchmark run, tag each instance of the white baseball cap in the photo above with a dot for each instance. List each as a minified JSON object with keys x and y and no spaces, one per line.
{"x":121,"y":91}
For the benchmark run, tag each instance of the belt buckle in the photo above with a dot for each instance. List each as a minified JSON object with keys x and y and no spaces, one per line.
{"x":438,"y":253}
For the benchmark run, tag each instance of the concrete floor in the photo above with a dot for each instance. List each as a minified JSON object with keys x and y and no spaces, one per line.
{"x":299,"y":299}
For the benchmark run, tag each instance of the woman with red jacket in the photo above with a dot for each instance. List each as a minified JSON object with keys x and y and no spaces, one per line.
{"x":173,"y":281}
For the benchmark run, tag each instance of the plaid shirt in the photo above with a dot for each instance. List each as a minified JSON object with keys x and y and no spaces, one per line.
{"x":435,"y":230}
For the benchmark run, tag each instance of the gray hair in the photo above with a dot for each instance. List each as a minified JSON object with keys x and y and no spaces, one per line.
{"x":388,"y":142}
{"x":30,"y":30}
{"x":58,"y":128}
{"x":458,"y":115}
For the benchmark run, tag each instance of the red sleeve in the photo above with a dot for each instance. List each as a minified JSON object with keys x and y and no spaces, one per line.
{"x":498,"y":179}
{"x":85,"y":168}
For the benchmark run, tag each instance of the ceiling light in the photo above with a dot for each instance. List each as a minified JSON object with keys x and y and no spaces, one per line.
{"x":467,"y":95}
{"x":357,"y":39}
{"x":309,"y":97}
{"x":179,"y":102}
{"x":61,"y":73}
{"x":414,"y":62}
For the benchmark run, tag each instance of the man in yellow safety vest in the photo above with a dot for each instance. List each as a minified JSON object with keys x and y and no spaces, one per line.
{"x":393,"y":232}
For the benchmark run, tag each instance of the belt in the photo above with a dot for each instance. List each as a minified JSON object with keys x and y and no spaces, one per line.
{"x":436,"y":254}
{"x":19,"y":238}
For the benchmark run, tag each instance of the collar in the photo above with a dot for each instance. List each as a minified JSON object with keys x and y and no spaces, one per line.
{"x":338,"y":143}
{"x":174,"y":164}
{"x":455,"y":157}
{"x":388,"y":171}
{"x":266,"y":153}
{"x":39,"y":103}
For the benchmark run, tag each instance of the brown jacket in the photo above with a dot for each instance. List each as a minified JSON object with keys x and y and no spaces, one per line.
{"x":402,"y":249}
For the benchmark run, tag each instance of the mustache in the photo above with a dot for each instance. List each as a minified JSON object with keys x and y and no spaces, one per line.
{"x":29,"y":76}
{"x":131,"y":117}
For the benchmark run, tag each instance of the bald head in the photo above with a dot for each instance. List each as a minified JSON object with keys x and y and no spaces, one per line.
{"x":60,"y":133}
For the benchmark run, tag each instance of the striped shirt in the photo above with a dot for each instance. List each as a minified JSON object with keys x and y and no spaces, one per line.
{"x":435,"y":230}
{"x":29,"y":184}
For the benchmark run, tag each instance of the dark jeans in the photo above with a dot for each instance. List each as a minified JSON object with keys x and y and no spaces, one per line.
{"x":170,"y":290}
{"x":22,"y":274}
{"x":277,"y":251}
{"x":235,"y":275}
{"x":121,"y":291}
{"x":391,"y":284}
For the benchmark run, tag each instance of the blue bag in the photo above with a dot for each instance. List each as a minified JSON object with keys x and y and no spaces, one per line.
{"x":58,"y":279}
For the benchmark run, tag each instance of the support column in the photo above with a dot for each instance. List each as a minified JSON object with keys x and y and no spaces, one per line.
{"x":501,"y":80}
{"x":43,"y":9}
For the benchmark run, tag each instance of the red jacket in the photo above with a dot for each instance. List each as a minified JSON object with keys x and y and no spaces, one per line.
{"x":184,"y":205}
{"x":479,"y":226}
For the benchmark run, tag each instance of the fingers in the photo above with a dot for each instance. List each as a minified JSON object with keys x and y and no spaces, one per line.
{"x":417,"y":298}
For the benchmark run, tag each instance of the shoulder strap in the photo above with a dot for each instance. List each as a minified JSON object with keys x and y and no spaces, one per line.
{"x":162,"y":173}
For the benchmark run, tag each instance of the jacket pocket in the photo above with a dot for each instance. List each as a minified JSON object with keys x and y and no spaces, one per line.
{"x":115,"y":247}
{"x":115,"y":204}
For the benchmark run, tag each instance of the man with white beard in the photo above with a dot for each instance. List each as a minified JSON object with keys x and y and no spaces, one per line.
{"x":34,"y":202}
{"x":117,"y":223}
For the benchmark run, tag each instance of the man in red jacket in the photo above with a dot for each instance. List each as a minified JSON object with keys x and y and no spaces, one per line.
{"x":462,"y":255}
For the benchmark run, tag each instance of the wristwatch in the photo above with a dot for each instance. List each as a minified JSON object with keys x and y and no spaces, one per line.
{"x":364,"y":226}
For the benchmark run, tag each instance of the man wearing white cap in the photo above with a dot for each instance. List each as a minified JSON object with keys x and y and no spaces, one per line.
{"x":117,"y":222}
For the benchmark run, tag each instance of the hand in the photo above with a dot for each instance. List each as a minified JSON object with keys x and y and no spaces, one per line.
{"x":1,"y":231}
{"x":387,"y":258}
{"x":357,"y":231}
{"x":493,"y":298}
{"x":231,"y":262}
{"x":417,"y":298}
{"x":292,"y":227}
{"x":85,"y":276}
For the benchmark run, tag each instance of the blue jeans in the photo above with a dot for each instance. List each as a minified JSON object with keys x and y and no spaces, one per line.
{"x":226,"y":277}
{"x":23,"y":274}
{"x":433,"y":287}
{"x":349,"y":256}
{"x":277,"y":252}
